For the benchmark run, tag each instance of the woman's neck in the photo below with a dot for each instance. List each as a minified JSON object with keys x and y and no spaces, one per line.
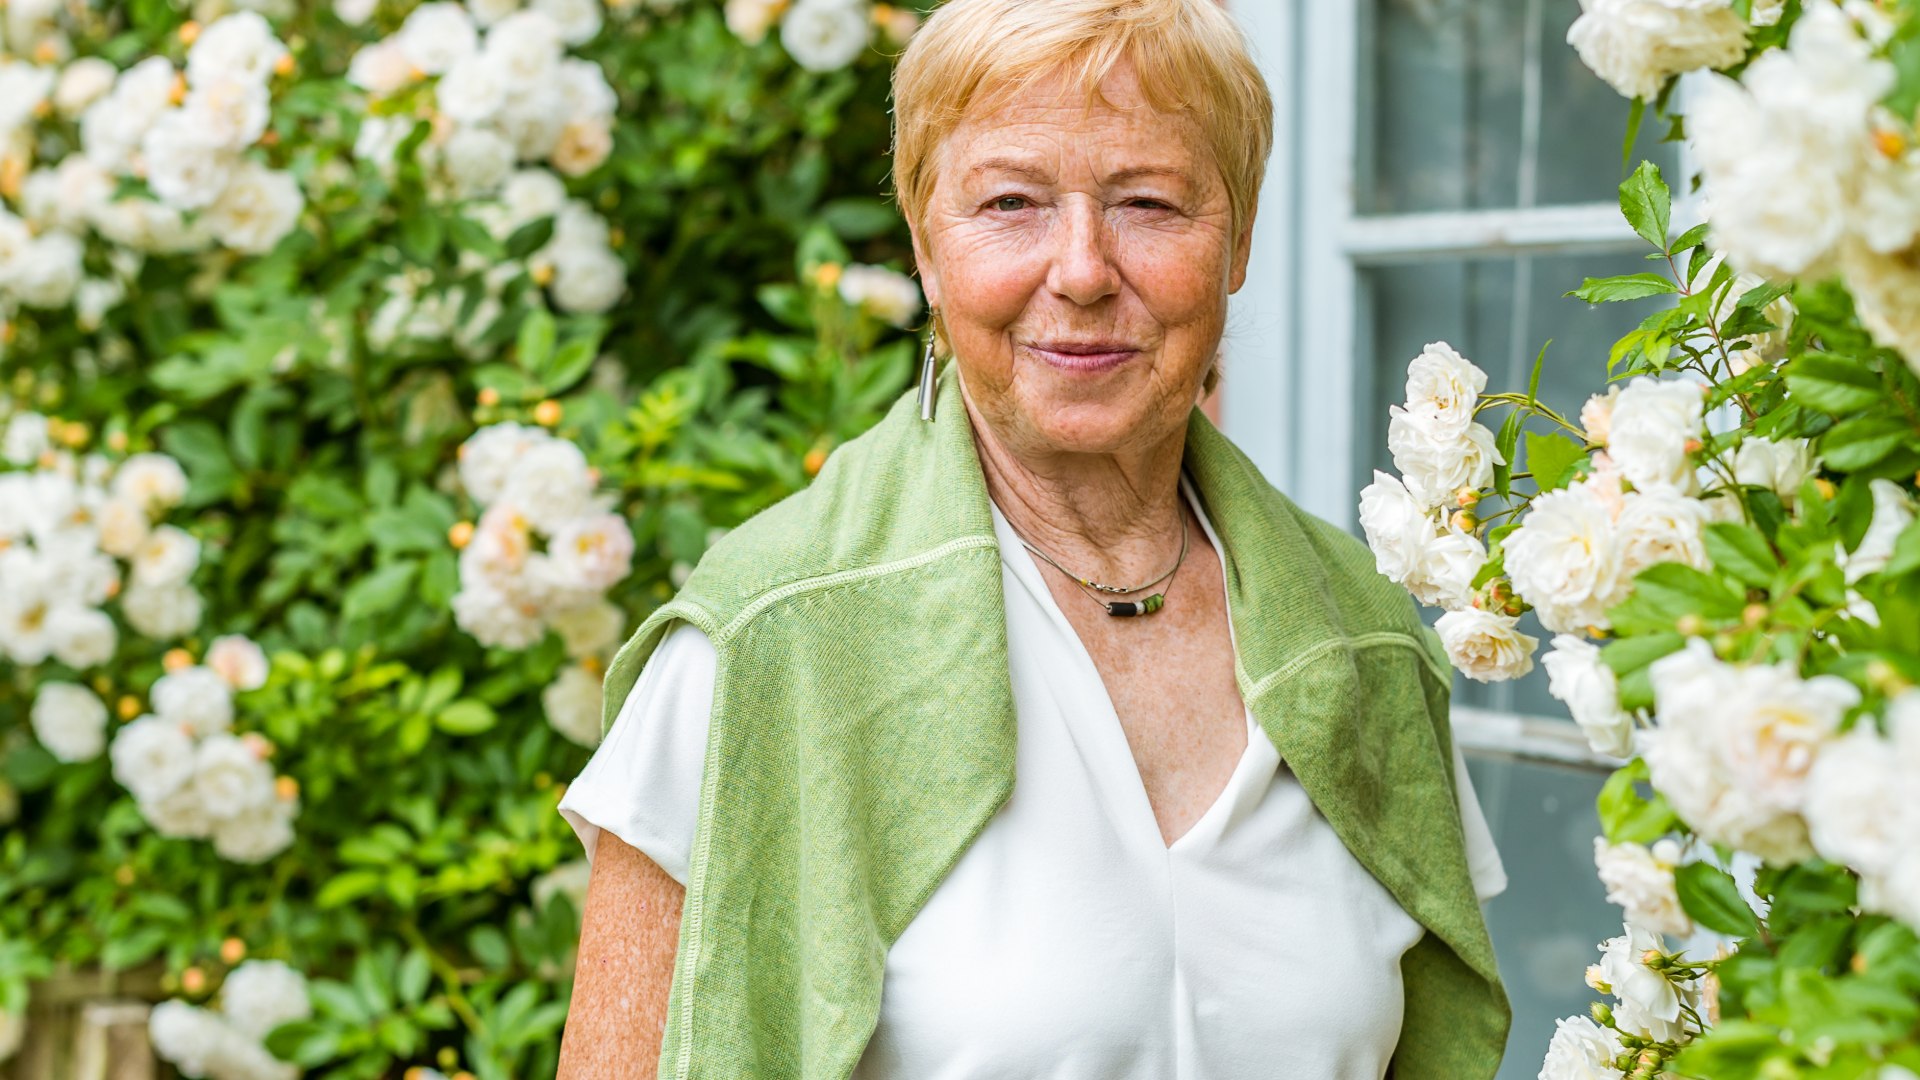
{"x":1113,"y":517}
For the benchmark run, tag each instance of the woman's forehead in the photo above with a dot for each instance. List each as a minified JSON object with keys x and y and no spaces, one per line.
{"x":1038,"y":130}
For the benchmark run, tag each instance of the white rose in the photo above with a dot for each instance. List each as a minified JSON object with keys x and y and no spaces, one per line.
{"x":573,"y":705}
{"x":178,"y":814}
{"x":237,"y":46}
{"x":551,"y":484}
{"x":532,"y":194}
{"x":1398,"y":527}
{"x":485,"y":613}
{"x":354,"y":12}
{"x":381,"y":69}
{"x":1448,"y":564}
{"x":70,"y":721}
{"x":168,"y":556}
{"x":1486,"y":647}
{"x":1436,"y":461}
{"x":73,"y":573}
{"x":593,"y":550}
{"x":81,"y":637}
{"x":825,"y":35}
{"x":23,"y":89}
{"x":436,"y":35}
{"x":151,"y":757}
{"x":489,"y":455}
{"x":196,"y":697}
{"x":1637,"y":45}
{"x":1859,"y":803}
{"x":1444,"y":386}
{"x":1660,"y":526}
{"x":1581,"y":1050}
{"x":1580,"y":679}
{"x":1892,"y":513}
{"x":154,"y":482}
{"x":243,"y":1058}
{"x":1653,"y":422}
{"x":112,"y":127}
{"x":1768,"y":12}
{"x":186,"y":1036}
{"x":82,"y":83}
{"x":1564,"y":559}
{"x":230,"y":778}
{"x":578,"y":20}
{"x":47,"y":273}
{"x":257,"y":209}
{"x":750,"y":20}
{"x":473,"y":90}
{"x":239,"y":662}
{"x":1641,"y":881}
{"x":1780,"y":467}
{"x":589,"y":283}
{"x":256,"y":835}
{"x":489,"y":12}
{"x":582,"y":145}
{"x":1886,"y":294}
{"x":26,"y":437}
{"x":161,"y":612}
{"x":527,"y":45}
{"x":478,"y":161}
{"x":232,"y":113}
{"x":887,"y":295}
{"x":65,"y":197}
{"x":260,"y":995}
{"x":590,"y":629}
{"x":1649,"y":1004}
{"x":1774,"y":725}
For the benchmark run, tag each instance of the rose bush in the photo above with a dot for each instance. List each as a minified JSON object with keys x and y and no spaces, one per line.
{"x":366,"y":371}
{"x":1724,"y":544}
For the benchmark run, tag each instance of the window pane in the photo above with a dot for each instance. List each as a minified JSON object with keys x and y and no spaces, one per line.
{"x":1497,"y":312}
{"x":1546,"y":926}
{"x":1482,"y":104}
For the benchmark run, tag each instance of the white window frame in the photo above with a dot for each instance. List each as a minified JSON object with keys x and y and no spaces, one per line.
{"x":1291,"y":397}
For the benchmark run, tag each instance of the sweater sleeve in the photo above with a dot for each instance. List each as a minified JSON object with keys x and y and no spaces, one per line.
{"x":1483,"y":858}
{"x":643,"y":782}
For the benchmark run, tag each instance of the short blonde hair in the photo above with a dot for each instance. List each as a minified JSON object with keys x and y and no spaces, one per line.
{"x":1188,"y":54}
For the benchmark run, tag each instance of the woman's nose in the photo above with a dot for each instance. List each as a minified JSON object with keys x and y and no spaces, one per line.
{"x":1082,"y":269}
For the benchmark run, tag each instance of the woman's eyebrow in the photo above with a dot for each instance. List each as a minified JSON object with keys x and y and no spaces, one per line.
{"x":1012,"y":165}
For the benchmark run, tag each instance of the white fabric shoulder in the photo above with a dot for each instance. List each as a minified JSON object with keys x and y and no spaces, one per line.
{"x":643,"y":782}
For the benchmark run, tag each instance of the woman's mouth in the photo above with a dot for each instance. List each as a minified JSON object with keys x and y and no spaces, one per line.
{"x":1083,"y":356}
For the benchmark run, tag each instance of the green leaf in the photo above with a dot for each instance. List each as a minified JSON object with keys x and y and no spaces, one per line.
{"x":414,"y":974}
{"x":1627,"y":816}
{"x":1647,"y":204}
{"x":1858,"y":443}
{"x":1533,"y":381}
{"x":1835,"y":385}
{"x":1504,"y":444}
{"x":1624,"y":287}
{"x":1739,"y":549}
{"x":1906,"y":553}
{"x":470,"y":235}
{"x":571,"y":362}
{"x":529,"y":238}
{"x":304,"y":1042}
{"x":1550,"y":456}
{"x":1692,"y":238}
{"x":379,"y":591}
{"x":421,"y":234}
{"x":467,"y":716}
{"x":490,"y":947}
{"x":859,"y":218}
{"x":535,"y":344}
{"x":1635,"y":114}
{"x":1628,"y":655}
{"x":1709,"y":895}
{"x":786,"y":303}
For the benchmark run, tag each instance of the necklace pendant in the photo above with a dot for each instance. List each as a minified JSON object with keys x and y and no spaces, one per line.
{"x":1144,"y":607}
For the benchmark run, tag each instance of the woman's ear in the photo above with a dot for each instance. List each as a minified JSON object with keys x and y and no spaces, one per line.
{"x":1242,"y":251}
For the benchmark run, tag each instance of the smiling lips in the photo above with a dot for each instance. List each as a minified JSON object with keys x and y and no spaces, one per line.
{"x":1085,"y":356}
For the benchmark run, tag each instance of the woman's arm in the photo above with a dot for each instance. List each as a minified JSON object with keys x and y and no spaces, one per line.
{"x":628,"y":936}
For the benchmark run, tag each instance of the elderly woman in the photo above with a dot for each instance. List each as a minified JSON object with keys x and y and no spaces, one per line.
{"x":949,"y":798}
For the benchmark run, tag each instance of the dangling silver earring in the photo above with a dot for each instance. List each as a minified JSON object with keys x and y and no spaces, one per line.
{"x":926,"y":376}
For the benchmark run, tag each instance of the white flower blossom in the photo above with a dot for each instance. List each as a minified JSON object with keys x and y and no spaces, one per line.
{"x":436,"y":35}
{"x":493,"y":620}
{"x":1486,"y":647}
{"x":489,"y":455}
{"x":550,"y":483}
{"x":1660,"y":526}
{"x":1649,"y":1003}
{"x":1652,"y":426}
{"x":594,"y":551}
{"x":236,"y":46}
{"x":750,"y":20}
{"x":591,"y":629}
{"x":179,"y":814}
{"x":154,"y":482}
{"x":1640,"y":880}
{"x":478,"y":161}
{"x":26,"y":437}
{"x":573,"y":705}
{"x":230,"y":778}
{"x":1448,"y":564}
{"x":186,"y":1036}
{"x":527,"y":46}
{"x":1863,"y":793}
{"x":825,"y":35}
{"x":1581,"y":1050}
{"x":381,"y":69}
{"x":888,"y":295}
{"x":473,"y":90}
{"x":1444,"y":386}
{"x":70,"y":721}
{"x":162,"y":612}
{"x":256,"y":835}
{"x":1435,"y":460}
{"x":1564,"y":559}
{"x":579,"y":20}
{"x":239,"y":662}
{"x":260,"y":995}
{"x":1398,"y":527}
{"x":80,"y":636}
{"x":168,"y":556}
{"x":196,"y":697}
{"x":258,"y":208}
{"x":1892,"y":513}
{"x":1780,"y":467}
{"x":1580,"y":679}
{"x":83,"y":82}
{"x":1637,"y":45}
{"x":151,"y":757}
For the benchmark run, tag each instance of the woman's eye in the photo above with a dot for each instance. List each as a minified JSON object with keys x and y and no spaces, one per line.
{"x":1009,"y":203}
{"x":1151,"y":204}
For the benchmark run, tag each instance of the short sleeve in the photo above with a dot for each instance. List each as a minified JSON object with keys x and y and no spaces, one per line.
{"x":643,"y":782}
{"x":1483,"y":858}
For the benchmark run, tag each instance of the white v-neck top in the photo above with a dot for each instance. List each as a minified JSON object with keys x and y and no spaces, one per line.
{"x":1070,"y":941}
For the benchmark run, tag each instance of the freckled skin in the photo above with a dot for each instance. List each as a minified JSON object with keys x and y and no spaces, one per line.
{"x":1048,"y":222}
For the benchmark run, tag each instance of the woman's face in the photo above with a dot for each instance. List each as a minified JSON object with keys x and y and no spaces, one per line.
{"x":1081,"y":258}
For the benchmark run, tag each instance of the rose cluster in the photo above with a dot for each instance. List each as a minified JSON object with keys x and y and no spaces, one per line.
{"x":821,"y":35}
{"x":542,"y":557}
{"x":191,"y":775}
{"x":1658,"y":999}
{"x":1637,"y":45}
{"x":229,"y":1044}
{"x":1807,"y":173}
{"x":66,"y":522}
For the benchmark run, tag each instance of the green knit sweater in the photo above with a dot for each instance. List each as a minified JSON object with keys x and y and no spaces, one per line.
{"x":863,"y":733}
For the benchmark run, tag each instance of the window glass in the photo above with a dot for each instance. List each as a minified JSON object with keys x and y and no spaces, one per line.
{"x":1497,"y":312}
{"x":1481,"y":104}
{"x":1549,"y":923}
